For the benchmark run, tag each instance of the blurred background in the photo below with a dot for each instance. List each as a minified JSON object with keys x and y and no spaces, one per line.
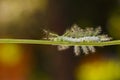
{"x":26,"y":19}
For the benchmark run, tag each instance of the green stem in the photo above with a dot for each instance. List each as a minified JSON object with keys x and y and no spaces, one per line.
{"x":47,"y":42}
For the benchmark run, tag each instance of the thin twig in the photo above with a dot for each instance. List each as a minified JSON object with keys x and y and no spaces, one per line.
{"x":47,"y":42}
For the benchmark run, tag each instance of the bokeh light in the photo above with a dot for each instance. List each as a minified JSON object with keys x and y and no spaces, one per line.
{"x":114,"y":23}
{"x":99,"y":69}
{"x":17,"y":10}
{"x":10,"y":54}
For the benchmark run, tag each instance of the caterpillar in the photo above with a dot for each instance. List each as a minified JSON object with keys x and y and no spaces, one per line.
{"x":77,"y":34}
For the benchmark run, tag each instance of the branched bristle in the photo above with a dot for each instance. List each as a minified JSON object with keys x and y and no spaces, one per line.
{"x":76,"y":50}
{"x":61,"y":47}
{"x":77,"y":32}
{"x":89,"y":32}
{"x":91,"y":48}
{"x":85,"y":49}
{"x":105,"y":38}
{"x":97,"y":31}
{"x":49,"y":34}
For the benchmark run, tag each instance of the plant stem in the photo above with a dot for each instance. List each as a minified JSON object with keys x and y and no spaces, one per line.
{"x":47,"y":42}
